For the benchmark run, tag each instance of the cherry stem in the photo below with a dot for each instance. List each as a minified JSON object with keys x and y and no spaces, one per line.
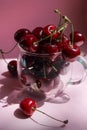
{"x":46,"y":125}
{"x":67,"y":20}
{"x":2,"y":53}
{"x":65,"y":121}
{"x":72,"y":28}
{"x":72,"y":40}
{"x":7,"y":52}
{"x":59,"y":29}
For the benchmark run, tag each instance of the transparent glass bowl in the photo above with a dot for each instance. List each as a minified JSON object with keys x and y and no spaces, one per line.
{"x":39,"y":75}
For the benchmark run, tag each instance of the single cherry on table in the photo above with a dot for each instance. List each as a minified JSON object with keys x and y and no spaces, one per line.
{"x":28,"y":107}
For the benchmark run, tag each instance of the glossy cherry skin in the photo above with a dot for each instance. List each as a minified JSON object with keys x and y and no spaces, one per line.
{"x":79,"y":38}
{"x":62,"y":42}
{"x":12,"y":67}
{"x":28,"y":106}
{"x":51,"y":30}
{"x":51,"y":48}
{"x":38,"y":32}
{"x":29,"y":43}
{"x":71,"y":51}
{"x":21,"y":33}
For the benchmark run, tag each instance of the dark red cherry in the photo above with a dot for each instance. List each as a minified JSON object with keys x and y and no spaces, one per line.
{"x":71,"y":51}
{"x":28,"y":106}
{"x":29,"y":43}
{"x":51,"y":30}
{"x":65,"y":38}
{"x":62,"y":42}
{"x":38,"y":32}
{"x":12,"y":67}
{"x":79,"y":38}
{"x":21,"y":33}
{"x":51,"y":48}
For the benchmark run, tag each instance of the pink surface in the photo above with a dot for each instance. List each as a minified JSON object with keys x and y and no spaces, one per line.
{"x":31,"y":13}
{"x":75,"y":110}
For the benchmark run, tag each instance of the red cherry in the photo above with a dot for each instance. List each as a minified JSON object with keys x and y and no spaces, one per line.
{"x":51,"y":48}
{"x":38,"y":32}
{"x":21,"y":33}
{"x":29,"y":43}
{"x":51,"y":29}
{"x":79,"y":38}
{"x":71,"y":51}
{"x":28,"y":106}
{"x":62,"y":42}
{"x":12,"y":67}
{"x":65,"y":38}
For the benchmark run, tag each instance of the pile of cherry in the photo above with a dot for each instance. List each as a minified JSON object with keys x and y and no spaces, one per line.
{"x":54,"y":47}
{"x":50,"y":41}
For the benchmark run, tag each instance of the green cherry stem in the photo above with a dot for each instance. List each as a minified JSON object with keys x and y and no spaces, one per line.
{"x":64,"y":122}
{"x":7,"y":52}
{"x":62,"y":27}
{"x":66,"y":21}
{"x":2,"y":54}
{"x":59,"y":29}
{"x":60,"y":14}
{"x":72,"y":40}
{"x":46,"y":125}
{"x":72,"y":28}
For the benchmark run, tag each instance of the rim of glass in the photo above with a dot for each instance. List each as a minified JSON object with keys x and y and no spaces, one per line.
{"x":37,"y":54}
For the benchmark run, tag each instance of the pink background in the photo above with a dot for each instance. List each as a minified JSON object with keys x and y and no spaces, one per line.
{"x":16,"y":14}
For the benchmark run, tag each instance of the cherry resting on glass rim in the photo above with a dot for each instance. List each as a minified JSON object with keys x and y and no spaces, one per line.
{"x":79,"y":38}
{"x":29,"y":43}
{"x":21,"y":33}
{"x":12,"y":67}
{"x":28,"y":106}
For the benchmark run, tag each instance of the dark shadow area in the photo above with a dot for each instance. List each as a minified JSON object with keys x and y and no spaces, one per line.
{"x":19,"y":114}
{"x":11,"y":91}
{"x":8,"y":85}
